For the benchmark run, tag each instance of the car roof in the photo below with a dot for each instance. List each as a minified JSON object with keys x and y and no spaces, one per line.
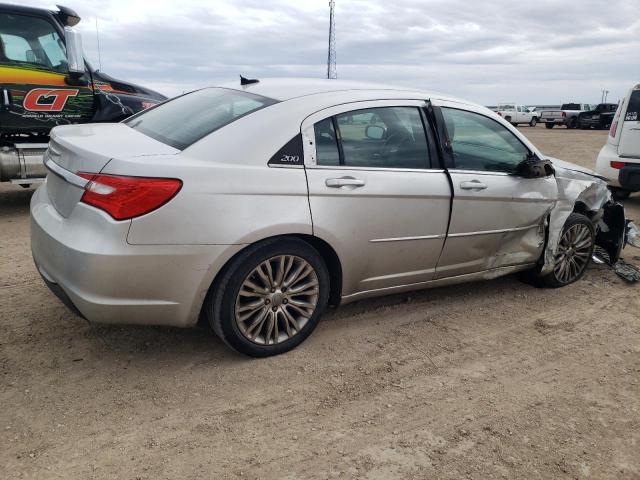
{"x":283,"y":89}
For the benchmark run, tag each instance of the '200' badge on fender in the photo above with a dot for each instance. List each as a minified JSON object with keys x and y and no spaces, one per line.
{"x":47,"y":99}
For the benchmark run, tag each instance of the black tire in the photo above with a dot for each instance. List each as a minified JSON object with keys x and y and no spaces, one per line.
{"x":533,"y":122}
{"x":549,"y":125}
{"x":220,"y":305}
{"x":619,"y":193}
{"x":573,"y":123}
{"x":553,"y":279}
{"x":508,"y":119}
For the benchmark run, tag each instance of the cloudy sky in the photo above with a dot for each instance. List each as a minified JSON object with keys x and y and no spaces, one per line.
{"x":531,"y":52}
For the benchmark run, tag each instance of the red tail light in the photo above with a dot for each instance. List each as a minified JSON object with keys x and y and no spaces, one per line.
{"x":564,"y":114}
{"x":613,"y":129}
{"x":617,"y":165}
{"x":128,"y":197}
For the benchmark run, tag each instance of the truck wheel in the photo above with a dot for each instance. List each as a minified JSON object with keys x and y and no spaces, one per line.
{"x":549,"y":125}
{"x":619,"y":193}
{"x":573,"y":123}
{"x":533,"y":122}
{"x":508,"y":119}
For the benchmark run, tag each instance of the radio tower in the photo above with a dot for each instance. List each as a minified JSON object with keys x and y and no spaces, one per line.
{"x":331,"y":57}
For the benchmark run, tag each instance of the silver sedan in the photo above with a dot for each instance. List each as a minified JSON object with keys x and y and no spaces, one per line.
{"x":257,"y":205}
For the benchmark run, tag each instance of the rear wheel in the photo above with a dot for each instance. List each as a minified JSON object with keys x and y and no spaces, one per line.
{"x":549,"y":125}
{"x":574,"y":252}
{"x":533,"y":122}
{"x":573,"y":123}
{"x":270,"y":298}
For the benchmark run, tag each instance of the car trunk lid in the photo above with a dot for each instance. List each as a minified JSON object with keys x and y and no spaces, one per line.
{"x":88,"y":148}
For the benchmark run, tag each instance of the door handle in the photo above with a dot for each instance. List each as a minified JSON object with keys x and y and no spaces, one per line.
{"x":473,"y":185}
{"x":348,"y":182}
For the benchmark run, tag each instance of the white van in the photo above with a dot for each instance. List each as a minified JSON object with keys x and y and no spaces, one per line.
{"x":619,"y":159}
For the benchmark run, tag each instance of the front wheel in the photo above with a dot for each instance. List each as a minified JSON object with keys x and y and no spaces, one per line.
{"x":533,"y":122}
{"x":270,"y":297}
{"x":549,"y":125}
{"x":574,"y":252}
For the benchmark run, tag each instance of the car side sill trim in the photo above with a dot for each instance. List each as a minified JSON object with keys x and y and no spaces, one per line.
{"x":467,"y":277}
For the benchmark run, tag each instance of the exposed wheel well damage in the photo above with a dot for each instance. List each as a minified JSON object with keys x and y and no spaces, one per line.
{"x":587,"y":194}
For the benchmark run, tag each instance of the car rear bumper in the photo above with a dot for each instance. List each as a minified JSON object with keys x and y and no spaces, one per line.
{"x":629,"y":177}
{"x":87,"y":262}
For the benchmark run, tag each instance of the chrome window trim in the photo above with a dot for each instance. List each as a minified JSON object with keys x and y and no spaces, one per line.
{"x":276,"y":165}
{"x":481,"y":172}
{"x":374,"y":169}
{"x":65,"y":174}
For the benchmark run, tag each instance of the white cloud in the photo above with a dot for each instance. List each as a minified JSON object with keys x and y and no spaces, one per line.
{"x":544,"y":51}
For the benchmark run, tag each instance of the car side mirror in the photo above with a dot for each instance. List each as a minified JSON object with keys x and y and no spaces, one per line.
{"x":374,"y":132}
{"x":75,"y":58}
{"x":535,"y":167}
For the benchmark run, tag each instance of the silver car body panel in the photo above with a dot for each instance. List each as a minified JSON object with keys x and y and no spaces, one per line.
{"x":391,"y":232}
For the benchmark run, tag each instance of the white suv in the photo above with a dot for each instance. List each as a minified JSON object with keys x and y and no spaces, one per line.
{"x":619,"y":159}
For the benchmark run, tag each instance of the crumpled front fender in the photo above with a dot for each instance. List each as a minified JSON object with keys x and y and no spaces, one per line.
{"x":585,"y":193}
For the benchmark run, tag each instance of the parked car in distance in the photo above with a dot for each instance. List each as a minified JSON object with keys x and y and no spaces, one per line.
{"x":600,"y":117}
{"x":619,"y":159}
{"x":255,"y":206}
{"x":517,"y":114}
{"x":567,"y":115}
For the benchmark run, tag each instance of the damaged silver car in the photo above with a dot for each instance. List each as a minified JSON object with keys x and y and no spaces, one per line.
{"x":253,"y":207}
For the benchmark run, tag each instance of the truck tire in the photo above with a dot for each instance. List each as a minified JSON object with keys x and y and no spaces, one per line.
{"x":549,"y":125}
{"x":508,"y":119}
{"x":533,"y":122}
{"x":573,"y":123}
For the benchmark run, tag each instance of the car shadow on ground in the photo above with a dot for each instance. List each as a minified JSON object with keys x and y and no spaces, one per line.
{"x":15,"y":200}
{"x":161,"y":344}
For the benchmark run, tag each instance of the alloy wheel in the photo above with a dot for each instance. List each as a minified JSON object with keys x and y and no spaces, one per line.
{"x":277,"y":299}
{"x":574,"y":253}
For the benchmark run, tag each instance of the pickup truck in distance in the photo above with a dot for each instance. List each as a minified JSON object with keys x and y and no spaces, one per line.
{"x":516,"y":114}
{"x":45,"y":81}
{"x":600,"y":117}
{"x":567,"y":115}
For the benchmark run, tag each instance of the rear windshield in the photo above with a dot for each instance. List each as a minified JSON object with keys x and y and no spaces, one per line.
{"x":186,"y":119}
{"x":633,"y":109}
{"x":570,"y":106}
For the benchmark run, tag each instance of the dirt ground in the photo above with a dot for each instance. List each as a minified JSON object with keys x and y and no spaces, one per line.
{"x":486,"y":380}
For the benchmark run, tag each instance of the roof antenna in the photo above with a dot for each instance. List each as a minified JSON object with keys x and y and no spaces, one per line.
{"x":248,"y":81}
{"x":98,"y":39}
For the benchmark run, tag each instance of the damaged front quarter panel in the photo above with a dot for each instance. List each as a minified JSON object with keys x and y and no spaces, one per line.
{"x":582,"y":191}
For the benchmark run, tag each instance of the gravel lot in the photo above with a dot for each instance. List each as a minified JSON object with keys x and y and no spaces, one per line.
{"x":486,"y":380}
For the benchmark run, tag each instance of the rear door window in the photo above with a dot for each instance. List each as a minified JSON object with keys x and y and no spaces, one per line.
{"x":385,"y":137}
{"x":186,"y":119}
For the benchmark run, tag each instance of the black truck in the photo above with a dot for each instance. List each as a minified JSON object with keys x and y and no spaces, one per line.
{"x":600,"y":117}
{"x":45,"y":81}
